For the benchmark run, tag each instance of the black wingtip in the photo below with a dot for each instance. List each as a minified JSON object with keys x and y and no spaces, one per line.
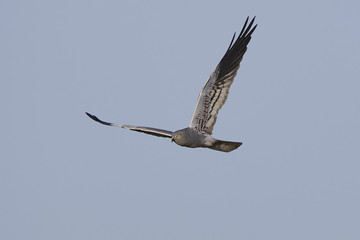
{"x":232,"y":40}
{"x":93,"y":117}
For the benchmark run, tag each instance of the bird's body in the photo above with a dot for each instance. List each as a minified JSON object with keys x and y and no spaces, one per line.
{"x":211,"y":98}
{"x":189,"y":137}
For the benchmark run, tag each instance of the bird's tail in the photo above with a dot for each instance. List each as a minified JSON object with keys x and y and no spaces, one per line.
{"x":225,"y":146}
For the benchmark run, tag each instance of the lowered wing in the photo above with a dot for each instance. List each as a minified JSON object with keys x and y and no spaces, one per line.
{"x":147,"y":130}
{"x":215,"y":91}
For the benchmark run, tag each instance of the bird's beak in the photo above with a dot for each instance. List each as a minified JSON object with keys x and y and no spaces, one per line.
{"x":172,"y":138}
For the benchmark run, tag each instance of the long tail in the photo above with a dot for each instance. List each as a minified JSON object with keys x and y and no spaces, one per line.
{"x":225,"y":146}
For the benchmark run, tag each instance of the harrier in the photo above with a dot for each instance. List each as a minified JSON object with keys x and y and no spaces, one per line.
{"x":211,"y":98}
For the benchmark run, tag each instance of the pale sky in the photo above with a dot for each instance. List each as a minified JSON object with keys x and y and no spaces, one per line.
{"x":295,"y":104}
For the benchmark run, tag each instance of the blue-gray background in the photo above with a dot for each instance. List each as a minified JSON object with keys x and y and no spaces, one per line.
{"x":294,"y":103}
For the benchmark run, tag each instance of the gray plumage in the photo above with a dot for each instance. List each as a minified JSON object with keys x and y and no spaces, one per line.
{"x":211,"y":98}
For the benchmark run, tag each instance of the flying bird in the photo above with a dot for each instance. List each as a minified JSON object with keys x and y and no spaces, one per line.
{"x":211,"y":98}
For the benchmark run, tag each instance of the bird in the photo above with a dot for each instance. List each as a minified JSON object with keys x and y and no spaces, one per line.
{"x":210,"y":100}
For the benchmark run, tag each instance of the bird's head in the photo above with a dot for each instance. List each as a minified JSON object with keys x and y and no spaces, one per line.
{"x":178,"y":137}
{"x":175,"y":137}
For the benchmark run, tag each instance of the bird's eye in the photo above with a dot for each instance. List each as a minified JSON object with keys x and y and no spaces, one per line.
{"x":178,"y":136}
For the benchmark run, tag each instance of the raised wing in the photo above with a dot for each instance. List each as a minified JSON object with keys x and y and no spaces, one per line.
{"x":147,"y":130}
{"x":215,"y":91}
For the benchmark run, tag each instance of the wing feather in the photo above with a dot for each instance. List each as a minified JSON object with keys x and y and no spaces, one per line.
{"x":215,"y":91}
{"x":152,"y":131}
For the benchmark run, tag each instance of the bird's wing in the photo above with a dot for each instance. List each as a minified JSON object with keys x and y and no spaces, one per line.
{"x":147,"y":130}
{"x":215,"y":91}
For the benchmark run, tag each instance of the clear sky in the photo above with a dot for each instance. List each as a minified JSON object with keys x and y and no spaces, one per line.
{"x":295,"y":104}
